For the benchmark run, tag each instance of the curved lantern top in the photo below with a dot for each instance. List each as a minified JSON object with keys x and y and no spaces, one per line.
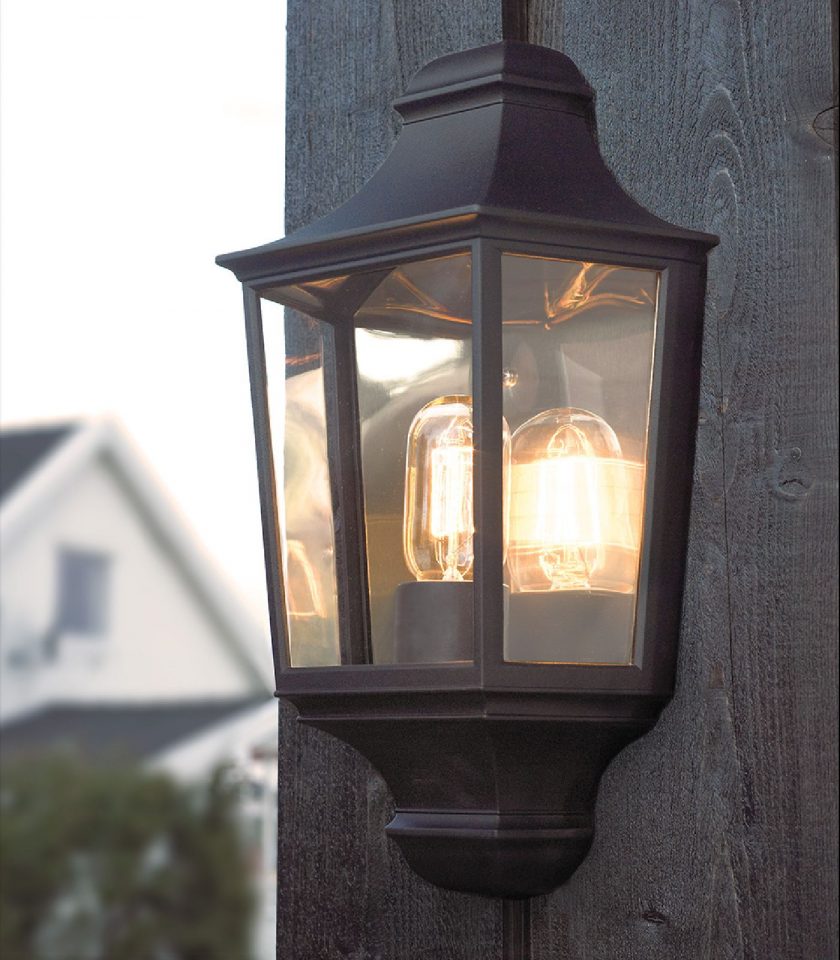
{"x":496,"y":141}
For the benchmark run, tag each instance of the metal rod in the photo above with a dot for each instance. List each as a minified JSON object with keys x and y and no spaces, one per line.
{"x":515,"y":20}
{"x":344,"y":444}
{"x":516,"y":930}
{"x":487,"y":433}
{"x":267,"y":480}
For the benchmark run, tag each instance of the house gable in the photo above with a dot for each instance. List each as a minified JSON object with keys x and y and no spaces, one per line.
{"x":144,"y":625}
{"x":23,"y":450}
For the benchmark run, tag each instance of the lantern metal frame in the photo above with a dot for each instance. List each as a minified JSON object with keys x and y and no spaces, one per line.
{"x":493,"y":765}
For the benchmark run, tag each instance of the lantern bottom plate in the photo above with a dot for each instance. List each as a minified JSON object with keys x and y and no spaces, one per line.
{"x":499,"y":856}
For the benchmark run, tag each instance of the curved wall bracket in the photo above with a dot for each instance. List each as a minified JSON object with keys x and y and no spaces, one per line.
{"x":494,"y":794}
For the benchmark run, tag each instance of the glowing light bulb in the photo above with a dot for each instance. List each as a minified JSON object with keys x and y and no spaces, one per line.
{"x":438,"y":521}
{"x":450,"y":523}
{"x":576,"y":506}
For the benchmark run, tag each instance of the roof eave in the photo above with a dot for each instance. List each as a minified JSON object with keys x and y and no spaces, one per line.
{"x":295,"y":256}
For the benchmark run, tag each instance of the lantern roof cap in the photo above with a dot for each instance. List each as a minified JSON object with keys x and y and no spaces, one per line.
{"x":465,"y":79}
{"x":492,"y":137}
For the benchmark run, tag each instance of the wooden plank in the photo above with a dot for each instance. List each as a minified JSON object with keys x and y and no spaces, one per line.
{"x":344,"y":890}
{"x":716,"y":833}
{"x":346,"y":63}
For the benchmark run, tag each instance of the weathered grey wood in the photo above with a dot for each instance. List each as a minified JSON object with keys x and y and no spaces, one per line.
{"x":343,"y":890}
{"x":716,"y":833}
{"x":347,"y":61}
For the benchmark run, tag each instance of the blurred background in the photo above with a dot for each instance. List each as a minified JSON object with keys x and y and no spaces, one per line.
{"x":137,"y":728}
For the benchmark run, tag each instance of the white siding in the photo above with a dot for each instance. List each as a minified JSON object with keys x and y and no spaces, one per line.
{"x":162,"y":641}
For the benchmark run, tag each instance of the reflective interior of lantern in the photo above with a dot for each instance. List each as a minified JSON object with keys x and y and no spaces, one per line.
{"x":414,"y":363}
{"x":578,"y":343}
{"x":295,"y":355}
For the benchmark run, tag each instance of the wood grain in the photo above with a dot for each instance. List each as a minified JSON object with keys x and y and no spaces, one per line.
{"x":344,"y":890}
{"x":717,"y":832}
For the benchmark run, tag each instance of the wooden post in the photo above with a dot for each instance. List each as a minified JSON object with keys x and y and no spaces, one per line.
{"x":717,"y":833}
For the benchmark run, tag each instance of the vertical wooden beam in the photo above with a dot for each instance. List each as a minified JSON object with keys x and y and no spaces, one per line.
{"x":343,"y":889}
{"x":717,"y":832}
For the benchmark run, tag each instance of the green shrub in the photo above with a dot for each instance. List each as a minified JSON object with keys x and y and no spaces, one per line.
{"x":114,"y":863}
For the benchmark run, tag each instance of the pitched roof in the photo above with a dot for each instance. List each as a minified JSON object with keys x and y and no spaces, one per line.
{"x":71,"y":449}
{"x":22,"y":449}
{"x":116,"y":731}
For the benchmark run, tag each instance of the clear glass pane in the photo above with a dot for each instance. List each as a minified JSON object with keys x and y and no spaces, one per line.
{"x":413,"y":354}
{"x":311,"y":296}
{"x":578,"y":342}
{"x":294,"y":353}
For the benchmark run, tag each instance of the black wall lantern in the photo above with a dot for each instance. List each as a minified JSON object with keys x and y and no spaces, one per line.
{"x":475,"y":394}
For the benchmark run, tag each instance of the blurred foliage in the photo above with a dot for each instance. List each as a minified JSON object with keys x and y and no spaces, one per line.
{"x":115,"y":863}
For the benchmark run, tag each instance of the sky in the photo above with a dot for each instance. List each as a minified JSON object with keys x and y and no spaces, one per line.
{"x":137,"y":142}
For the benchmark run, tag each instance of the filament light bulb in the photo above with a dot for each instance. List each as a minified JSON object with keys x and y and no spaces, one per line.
{"x":438,"y":521}
{"x":450,"y":494}
{"x":576,"y":506}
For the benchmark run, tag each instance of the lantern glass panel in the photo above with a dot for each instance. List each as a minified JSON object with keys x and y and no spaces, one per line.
{"x":413,"y":353}
{"x":578,"y":343}
{"x":295,"y":345}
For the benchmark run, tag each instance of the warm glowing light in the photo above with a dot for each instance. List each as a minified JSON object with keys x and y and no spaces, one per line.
{"x":575,"y":508}
{"x":451,"y":499}
{"x":438,"y":522}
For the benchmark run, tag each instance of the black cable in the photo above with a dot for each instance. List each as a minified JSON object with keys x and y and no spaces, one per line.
{"x":515,"y":20}
{"x":516,"y":930}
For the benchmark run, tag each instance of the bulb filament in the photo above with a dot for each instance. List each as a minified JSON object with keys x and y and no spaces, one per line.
{"x":451,"y":523}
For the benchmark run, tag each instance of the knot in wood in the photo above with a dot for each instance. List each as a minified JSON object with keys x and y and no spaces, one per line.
{"x":787,"y":478}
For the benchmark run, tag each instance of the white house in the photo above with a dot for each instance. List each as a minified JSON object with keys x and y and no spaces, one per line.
{"x":117,"y":636}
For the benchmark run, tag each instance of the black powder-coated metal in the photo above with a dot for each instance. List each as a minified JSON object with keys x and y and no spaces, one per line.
{"x":346,"y":481}
{"x":267,"y":482}
{"x":493,"y":766}
{"x":494,"y":793}
{"x":488,"y":541}
{"x":516,"y":930}
{"x":507,"y":130}
{"x":433,"y":622}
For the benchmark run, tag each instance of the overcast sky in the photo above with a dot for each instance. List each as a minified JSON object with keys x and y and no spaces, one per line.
{"x":139,"y":140}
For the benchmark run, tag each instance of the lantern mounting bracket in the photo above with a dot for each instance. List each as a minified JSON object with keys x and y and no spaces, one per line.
{"x":494,"y":794}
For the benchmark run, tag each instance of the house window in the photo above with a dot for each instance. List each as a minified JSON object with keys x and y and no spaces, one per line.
{"x":83,"y":586}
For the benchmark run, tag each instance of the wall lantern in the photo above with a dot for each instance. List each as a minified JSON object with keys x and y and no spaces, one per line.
{"x":475,"y":394}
